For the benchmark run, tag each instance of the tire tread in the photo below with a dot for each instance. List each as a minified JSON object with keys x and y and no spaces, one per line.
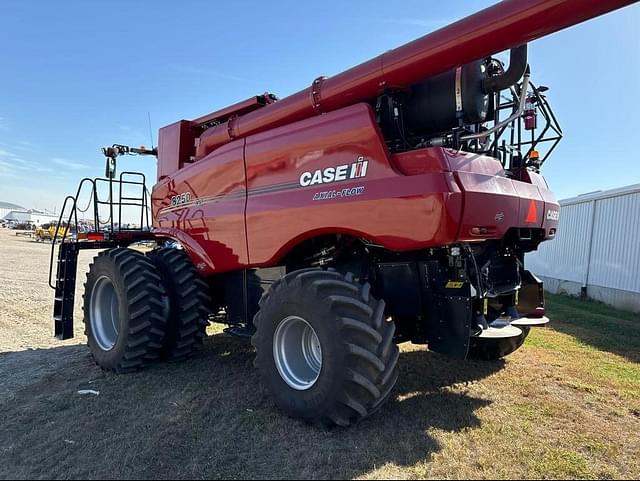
{"x":371,"y":356}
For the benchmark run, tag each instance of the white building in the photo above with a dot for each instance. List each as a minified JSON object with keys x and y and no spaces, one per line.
{"x":33,"y":216}
{"x":596,"y":252}
{"x":6,"y":208}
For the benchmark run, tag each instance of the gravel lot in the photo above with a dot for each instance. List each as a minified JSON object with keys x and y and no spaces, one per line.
{"x":26,"y":304}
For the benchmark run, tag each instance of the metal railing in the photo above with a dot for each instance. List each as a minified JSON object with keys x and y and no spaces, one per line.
{"x":110,"y":226}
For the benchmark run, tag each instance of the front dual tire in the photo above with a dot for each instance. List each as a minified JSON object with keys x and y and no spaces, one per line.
{"x":139,"y":309}
{"x":124,"y":310}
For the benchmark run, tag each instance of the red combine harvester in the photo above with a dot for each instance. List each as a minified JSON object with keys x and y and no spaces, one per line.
{"x":392,"y":202}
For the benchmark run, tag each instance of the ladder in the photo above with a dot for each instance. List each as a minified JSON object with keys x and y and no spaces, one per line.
{"x":65,"y":290}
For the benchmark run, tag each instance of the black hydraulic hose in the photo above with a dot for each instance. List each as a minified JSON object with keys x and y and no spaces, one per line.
{"x":475,"y":265}
{"x":89,"y":204}
{"x":517,"y":68}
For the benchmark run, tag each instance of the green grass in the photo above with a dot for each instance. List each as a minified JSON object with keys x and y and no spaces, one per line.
{"x":564,"y":463}
{"x":586,"y":309}
{"x":595,"y":324}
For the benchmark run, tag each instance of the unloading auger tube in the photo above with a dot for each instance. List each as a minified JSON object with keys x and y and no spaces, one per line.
{"x":506,"y":25}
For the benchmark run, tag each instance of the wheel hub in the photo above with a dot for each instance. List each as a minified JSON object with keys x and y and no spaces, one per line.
{"x":104,"y":313}
{"x":297,"y":353}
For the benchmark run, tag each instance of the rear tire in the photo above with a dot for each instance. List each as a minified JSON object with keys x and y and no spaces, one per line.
{"x":123,"y":310}
{"x":353,"y":359}
{"x":188,"y":303}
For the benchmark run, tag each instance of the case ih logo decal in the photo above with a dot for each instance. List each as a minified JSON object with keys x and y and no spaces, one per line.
{"x":336,"y":174}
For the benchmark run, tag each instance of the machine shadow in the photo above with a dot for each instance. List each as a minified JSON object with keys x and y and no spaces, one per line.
{"x":617,"y":337}
{"x":210,"y":417}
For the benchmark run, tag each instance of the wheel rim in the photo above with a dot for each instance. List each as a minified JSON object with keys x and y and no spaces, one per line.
{"x":104,"y":312}
{"x":297,"y":353}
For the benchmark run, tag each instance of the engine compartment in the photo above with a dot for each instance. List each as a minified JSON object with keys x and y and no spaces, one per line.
{"x":461,"y":109}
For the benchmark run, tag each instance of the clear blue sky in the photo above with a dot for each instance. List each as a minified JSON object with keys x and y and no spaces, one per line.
{"x":78,"y":75}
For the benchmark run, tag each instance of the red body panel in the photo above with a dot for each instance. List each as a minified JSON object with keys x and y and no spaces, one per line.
{"x":424,"y":198}
{"x":212,"y":225}
{"x":174,"y":148}
{"x":496,"y":203}
{"x":424,"y":208}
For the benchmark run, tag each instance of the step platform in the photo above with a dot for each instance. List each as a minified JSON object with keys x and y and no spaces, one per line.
{"x":499,"y":327}
{"x":500,"y":331}
{"x":504,"y":336}
{"x":499,"y":340}
{"x":531,"y":321}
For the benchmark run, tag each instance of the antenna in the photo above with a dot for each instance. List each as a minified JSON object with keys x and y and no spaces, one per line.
{"x":150,"y":130}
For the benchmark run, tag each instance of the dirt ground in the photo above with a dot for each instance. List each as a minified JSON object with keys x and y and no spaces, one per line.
{"x":566,"y":405}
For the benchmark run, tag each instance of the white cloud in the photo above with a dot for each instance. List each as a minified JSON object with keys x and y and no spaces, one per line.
{"x":8,"y":170}
{"x":6,"y":153}
{"x":12,"y":175}
{"x":5,"y":166}
{"x":70,"y":164}
{"x":13,"y":161}
{"x":23,"y":145}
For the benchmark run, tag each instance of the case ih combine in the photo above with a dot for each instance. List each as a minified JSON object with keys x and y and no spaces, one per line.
{"x":392,"y":202}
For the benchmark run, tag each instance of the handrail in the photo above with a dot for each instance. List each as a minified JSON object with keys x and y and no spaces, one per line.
{"x":72,"y":218}
{"x":142,"y":199}
{"x":72,"y":215}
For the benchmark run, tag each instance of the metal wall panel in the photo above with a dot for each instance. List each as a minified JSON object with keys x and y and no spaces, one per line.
{"x":566,"y":257}
{"x":615,"y":254}
{"x":598,"y":242}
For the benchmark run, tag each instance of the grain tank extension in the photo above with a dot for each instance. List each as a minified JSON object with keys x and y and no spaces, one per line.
{"x":393,"y":202}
